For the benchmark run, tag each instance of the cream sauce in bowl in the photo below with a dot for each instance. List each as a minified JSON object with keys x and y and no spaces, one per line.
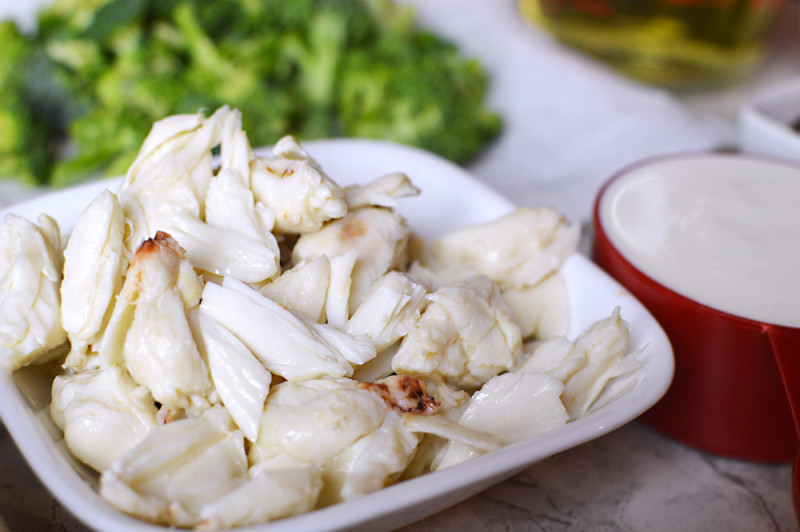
{"x":721,"y":229}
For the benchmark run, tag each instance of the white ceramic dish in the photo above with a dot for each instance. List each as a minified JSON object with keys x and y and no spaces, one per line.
{"x":765,"y":122}
{"x":450,"y":198}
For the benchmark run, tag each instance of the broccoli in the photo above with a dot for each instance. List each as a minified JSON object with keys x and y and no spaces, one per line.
{"x":419,"y":92}
{"x":24,"y":142}
{"x":313,"y":68}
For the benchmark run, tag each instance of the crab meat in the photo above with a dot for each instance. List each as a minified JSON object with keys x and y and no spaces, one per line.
{"x":337,"y":297}
{"x":170,"y":174}
{"x":512,"y":407}
{"x":285,"y":343}
{"x":238,"y":376}
{"x":604,"y":345}
{"x":516,"y":250}
{"x":103,"y":414}
{"x":404,"y":394}
{"x":554,"y":356}
{"x":381,"y":192}
{"x":30,"y":303}
{"x":94,"y":270}
{"x":465,"y":336}
{"x":542,"y":310}
{"x":294,"y":186}
{"x":314,"y":420}
{"x":178,"y":469}
{"x":230,"y":205}
{"x":303,"y":288}
{"x":149,"y":331}
{"x":378,"y":235}
{"x":269,"y":494}
{"x":236,"y":155}
{"x":370,"y":463}
{"x":224,"y":252}
{"x":390,"y":309}
{"x":360,"y":442}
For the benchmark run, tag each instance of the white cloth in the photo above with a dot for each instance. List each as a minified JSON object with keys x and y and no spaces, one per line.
{"x":570,"y":122}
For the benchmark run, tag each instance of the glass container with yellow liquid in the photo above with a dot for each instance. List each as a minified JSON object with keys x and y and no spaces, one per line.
{"x":671,"y":43}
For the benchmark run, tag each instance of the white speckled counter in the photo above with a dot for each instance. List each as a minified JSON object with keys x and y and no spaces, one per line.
{"x":558,"y":146}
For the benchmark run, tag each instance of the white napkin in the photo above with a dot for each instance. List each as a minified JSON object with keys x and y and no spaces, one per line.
{"x":570,"y":122}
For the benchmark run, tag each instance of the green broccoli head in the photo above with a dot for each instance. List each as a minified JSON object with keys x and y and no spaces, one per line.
{"x":24,"y":144}
{"x":107,"y":69}
{"x":421,"y":93}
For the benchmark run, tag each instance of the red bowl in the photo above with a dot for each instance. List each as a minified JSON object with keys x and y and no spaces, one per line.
{"x":735,"y":378}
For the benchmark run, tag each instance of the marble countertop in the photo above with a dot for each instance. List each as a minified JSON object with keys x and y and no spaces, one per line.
{"x":633,"y":479}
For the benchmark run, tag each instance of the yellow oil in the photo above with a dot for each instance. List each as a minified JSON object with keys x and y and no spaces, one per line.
{"x":672,"y":43}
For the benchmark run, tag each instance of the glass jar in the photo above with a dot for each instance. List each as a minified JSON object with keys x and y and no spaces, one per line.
{"x":671,"y":43}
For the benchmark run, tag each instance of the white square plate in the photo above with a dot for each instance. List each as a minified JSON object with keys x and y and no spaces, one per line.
{"x":450,"y":198}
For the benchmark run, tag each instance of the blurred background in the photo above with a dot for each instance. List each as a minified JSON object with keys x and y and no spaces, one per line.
{"x":84,"y":81}
{"x":540,"y":98}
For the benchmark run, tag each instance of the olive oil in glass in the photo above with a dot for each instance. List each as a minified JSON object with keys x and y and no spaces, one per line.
{"x":671,"y":43}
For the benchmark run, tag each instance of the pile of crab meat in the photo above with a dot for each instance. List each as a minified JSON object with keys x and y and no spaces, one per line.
{"x":244,"y":340}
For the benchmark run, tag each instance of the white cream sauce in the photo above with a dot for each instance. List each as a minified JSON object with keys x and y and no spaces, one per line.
{"x":723,"y":230}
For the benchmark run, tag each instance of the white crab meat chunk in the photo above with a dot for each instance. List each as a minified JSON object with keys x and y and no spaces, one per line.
{"x":516,"y":250}
{"x":452,"y":401}
{"x":371,"y":462}
{"x":103,"y":414}
{"x":512,"y":407}
{"x":451,"y":431}
{"x":235,"y":154}
{"x":287,"y":344}
{"x":94,"y":269}
{"x":554,"y":356}
{"x":224,"y":252}
{"x":30,"y":302}
{"x":337,"y":297}
{"x":604,"y":345}
{"x":171,"y":173}
{"x":381,"y":192}
{"x":379,"y":367}
{"x":240,"y":379}
{"x":294,"y":186}
{"x":302,"y":288}
{"x":379,"y":236}
{"x":465,"y":336}
{"x":541,"y":311}
{"x":354,"y":431}
{"x":230,"y":205}
{"x":314,"y":420}
{"x":442,"y":428}
{"x":437,"y":278}
{"x":390,"y":309}
{"x":149,"y":331}
{"x":180,"y":470}
{"x":268,"y":494}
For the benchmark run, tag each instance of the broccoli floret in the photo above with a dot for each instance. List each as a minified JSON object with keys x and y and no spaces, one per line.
{"x":24,"y":145}
{"x":24,"y":153}
{"x":396,"y":83}
{"x":419,"y":92}
{"x":107,"y":69}
{"x":108,"y":145}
